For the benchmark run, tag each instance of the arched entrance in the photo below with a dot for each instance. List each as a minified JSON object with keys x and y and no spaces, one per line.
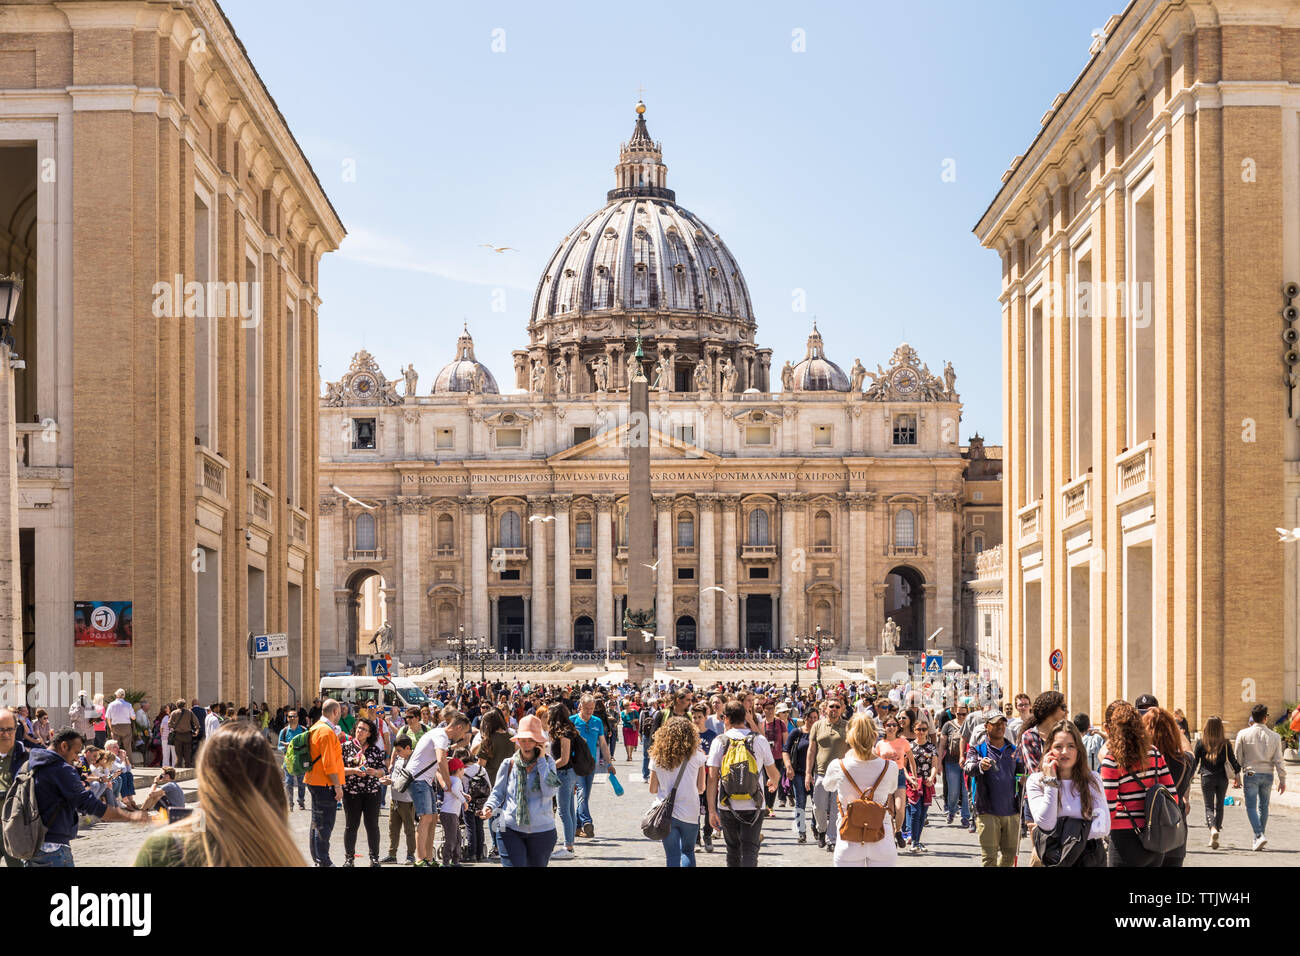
{"x":367,"y":611}
{"x":584,"y":634}
{"x":905,"y":603}
{"x":758,"y":622}
{"x":684,"y":634}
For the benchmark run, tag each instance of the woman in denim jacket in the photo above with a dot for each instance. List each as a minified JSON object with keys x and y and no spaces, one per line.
{"x":524,"y":786}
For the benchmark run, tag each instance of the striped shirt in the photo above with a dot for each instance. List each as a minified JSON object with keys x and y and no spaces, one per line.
{"x":1126,"y":791}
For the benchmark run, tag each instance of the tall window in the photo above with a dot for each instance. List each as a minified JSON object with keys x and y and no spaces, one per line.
{"x":510,"y":534}
{"x":822,"y":530}
{"x":977,"y":543}
{"x":446,"y":530}
{"x":582,"y":532}
{"x":904,"y":429}
{"x":1141,"y":389}
{"x":1034,"y":404}
{"x":365,"y":532}
{"x":685,"y":531}
{"x":758,"y":527}
{"x":1081,"y":379}
{"x":905,"y":529}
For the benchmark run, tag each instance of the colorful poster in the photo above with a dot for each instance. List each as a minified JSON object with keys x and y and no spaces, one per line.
{"x":102,"y":623}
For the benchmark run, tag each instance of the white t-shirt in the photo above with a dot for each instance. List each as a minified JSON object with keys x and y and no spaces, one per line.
{"x":454,"y":798}
{"x":210,"y":724}
{"x":687,"y":805}
{"x":425,"y":754}
{"x":762,"y":749}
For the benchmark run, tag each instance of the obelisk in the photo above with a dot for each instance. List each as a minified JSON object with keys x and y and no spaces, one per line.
{"x":639,"y":618}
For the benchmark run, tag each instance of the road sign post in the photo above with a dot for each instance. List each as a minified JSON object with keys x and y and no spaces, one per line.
{"x":1057,"y":660}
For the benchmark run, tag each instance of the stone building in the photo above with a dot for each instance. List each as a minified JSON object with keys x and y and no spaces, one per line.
{"x":1146,"y":236}
{"x":775,"y":511}
{"x":169,"y":230}
{"x":981,"y":530}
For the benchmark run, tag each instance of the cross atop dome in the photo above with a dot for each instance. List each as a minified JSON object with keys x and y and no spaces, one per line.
{"x":641,"y":170}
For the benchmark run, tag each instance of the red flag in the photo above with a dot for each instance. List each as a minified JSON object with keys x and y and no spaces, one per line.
{"x":812,"y":661}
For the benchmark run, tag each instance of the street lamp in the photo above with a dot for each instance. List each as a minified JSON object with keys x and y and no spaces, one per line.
{"x":11,"y":288}
{"x":461,"y":647}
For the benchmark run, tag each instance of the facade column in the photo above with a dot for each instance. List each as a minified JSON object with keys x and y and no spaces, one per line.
{"x":492,"y":622}
{"x":562,"y":632}
{"x":604,"y":571}
{"x":706,"y":638}
{"x":409,"y":509}
{"x":856,"y":548}
{"x":539,"y":617}
{"x":791,"y":555}
{"x":664,"y":616}
{"x":730,"y":558}
{"x":945,"y":609}
{"x":480,"y":623}
{"x":528,"y":625}
{"x":332,"y":623}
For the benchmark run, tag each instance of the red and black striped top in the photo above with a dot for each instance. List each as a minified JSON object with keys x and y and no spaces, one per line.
{"x":1126,"y":790}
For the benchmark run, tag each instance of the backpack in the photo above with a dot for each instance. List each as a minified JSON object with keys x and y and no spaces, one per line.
{"x":297,"y":755}
{"x":1164,"y":828}
{"x":648,"y":723}
{"x":863,"y":820}
{"x":739,"y":785}
{"x":581,"y":761}
{"x":477,"y":791}
{"x":23,"y":829}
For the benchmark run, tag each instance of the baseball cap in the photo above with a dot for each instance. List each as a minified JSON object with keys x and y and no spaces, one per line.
{"x":1146,"y":702}
{"x":994,"y":718}
{"x":455,"y":764}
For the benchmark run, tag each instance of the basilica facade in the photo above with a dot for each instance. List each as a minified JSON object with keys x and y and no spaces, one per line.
{"x":827,"y":506}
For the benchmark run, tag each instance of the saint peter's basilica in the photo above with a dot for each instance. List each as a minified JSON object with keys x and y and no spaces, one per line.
{"x":833,"y":503}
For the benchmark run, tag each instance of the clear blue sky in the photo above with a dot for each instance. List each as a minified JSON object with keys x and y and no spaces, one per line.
{"x":821,"y":170}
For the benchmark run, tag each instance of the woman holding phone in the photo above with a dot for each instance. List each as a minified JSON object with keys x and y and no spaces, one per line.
{"x":363,"y":770}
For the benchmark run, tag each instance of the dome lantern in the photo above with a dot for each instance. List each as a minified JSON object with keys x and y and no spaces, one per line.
{"x":464,"y":373}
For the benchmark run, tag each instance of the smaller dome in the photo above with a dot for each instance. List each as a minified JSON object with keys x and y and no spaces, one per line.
{"x":817,"y":373}
{"x":465,"y":373}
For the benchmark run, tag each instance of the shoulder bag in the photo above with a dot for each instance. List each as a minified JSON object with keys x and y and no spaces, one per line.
{"x":658,"y":820}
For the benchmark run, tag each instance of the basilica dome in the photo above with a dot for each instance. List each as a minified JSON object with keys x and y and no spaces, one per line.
{"x":641,"y":251}
{"x":464,"y":373}
{"x":817,"y":373}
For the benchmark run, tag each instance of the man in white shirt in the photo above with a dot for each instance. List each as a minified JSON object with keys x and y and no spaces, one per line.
{"x":742,"y":828}
{"x":1259,"y":750}
{"x":119,"y":715}
{"x":429,"y":759}
{"x":213,"y":720}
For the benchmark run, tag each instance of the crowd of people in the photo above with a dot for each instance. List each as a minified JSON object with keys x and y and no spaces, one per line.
{"x":503,"y":772}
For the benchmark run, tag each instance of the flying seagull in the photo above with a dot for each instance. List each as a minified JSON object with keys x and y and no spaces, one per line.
{"x":1292,"y":535}
{"x":351,"y":499}
{"x":541,"y":517}
{"x":496,"y":248}
{"x":652,"y":567}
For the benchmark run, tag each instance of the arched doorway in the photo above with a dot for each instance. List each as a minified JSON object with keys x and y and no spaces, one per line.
{"x":758,"y":622}
{"x":584,"y":634}
{"x":905,"y":603}
{"x":367,"y":611}
{"x":684,"y":634}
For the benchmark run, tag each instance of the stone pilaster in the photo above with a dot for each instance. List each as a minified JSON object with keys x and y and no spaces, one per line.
{"x":480,"y":622}
{"x":664,"y":568}
{"x":604,"y":571}
{"x":730,"y":561}
{"x":409,"y":509}
{"x":856,"y":561}
{"x":540,"y":505}
{"x":792,"y":555}
{"x":707,"y":636}
{"x":562,"y":631}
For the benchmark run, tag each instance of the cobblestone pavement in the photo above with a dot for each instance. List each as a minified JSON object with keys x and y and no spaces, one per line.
{"x":618,"y":840}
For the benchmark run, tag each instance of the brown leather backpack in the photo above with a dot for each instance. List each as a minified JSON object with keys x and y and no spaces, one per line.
{"x":863,"y":820}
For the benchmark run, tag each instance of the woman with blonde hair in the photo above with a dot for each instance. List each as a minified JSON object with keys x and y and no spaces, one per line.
{"x":677,"y":763}
{"x":242,"y":817}
{"x":862,"y":771}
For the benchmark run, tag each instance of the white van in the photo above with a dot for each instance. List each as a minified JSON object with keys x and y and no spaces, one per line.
{"x":398,"y":692}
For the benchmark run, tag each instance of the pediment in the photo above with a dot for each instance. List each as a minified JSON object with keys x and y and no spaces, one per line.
{"x":612,"y":446}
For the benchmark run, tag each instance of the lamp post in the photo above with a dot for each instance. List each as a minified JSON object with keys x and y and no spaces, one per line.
{"x":818,"y":643}
{"x":461,"y":647}
{"x":11,"y":288}
{"x":796,"y":652}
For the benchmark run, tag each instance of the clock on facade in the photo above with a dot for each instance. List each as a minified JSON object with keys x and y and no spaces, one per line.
{"x":905,"y":381}
{"x":363,"y":385}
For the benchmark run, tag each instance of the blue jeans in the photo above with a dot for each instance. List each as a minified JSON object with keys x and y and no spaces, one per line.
{"x":1256,"y":787}
{"x":288,"y":787}
{"x":916,"y":820}
{"x":584,"y":798}
{"x":324,"y":808}
{"x":679,"y":844}
{"x":800,"y":804}
{"x":60,"y":857}
{"x":954,"y":792}
{"x":645,"y":758}
{"x":565,"y":798}
{"x":527,"y":849}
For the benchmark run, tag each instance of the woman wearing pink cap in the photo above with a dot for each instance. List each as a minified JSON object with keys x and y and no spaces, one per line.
{"x":522,"y":798}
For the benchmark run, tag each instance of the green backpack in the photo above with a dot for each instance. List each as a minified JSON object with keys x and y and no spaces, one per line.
{"x":297,"y":755}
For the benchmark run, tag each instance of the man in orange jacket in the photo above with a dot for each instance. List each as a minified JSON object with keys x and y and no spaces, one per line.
{"x":324,"y":781}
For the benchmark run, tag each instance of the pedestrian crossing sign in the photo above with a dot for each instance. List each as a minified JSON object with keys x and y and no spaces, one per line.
{"x":379,"y":667}
{"x":933,"y":664}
